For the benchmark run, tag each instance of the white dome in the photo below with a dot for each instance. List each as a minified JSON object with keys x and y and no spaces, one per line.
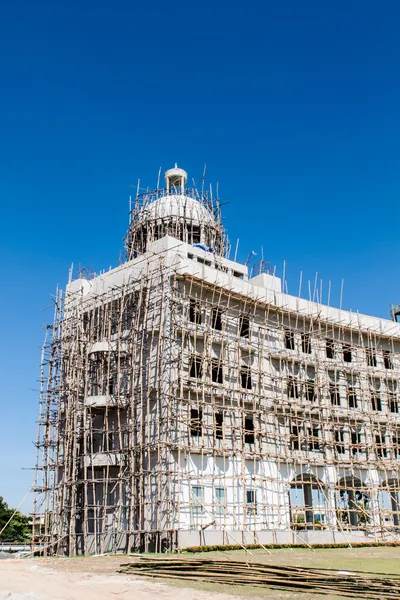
{"x":177,"y":205}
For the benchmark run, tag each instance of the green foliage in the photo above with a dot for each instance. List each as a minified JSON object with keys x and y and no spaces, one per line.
{"x":299,"y":522}
{"x":220,"y":547}
{"x":18,"y":530}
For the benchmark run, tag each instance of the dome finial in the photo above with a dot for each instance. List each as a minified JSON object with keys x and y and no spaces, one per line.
{"x":175,"y":178}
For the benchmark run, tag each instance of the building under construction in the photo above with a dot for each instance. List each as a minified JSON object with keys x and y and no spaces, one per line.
{"x":184,"y":402}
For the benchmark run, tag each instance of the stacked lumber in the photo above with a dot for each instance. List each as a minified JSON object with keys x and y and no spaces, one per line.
{"x":300,"y":579}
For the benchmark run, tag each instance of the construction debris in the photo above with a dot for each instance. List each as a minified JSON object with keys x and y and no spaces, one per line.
{"x":299,"y":579}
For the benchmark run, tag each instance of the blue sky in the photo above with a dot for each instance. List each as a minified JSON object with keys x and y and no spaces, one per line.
{"x":293,"y":106}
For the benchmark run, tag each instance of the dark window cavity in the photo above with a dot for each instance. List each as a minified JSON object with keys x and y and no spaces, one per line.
{"x":289,"y":339}
{"x":196,"y":367}
{"x":244,"y":326}
{"x":216,"y":319}
{"x":376,"y":402}
{"x":352,"y":397}
{"x":371,"y":357}
{"x":249,"y":430}
{"x":330,"y":349}
{"x":219,"y":425}
{"x":216,"y":371}
{"x":335,"y":395}
{"x":194,"y":311}
{"x":306,"y":343}
{"x":245,"y":378}
{"x":347,"y":353}
{"x":387,"y":359}
{"x":339,"y":441}
{"x":196,"y":419}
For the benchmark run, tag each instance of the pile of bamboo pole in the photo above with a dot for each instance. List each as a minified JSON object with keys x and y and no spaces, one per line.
{"x":373,"y":586}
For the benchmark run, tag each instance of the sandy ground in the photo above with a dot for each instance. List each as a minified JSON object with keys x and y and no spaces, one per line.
{"x":85,"y":579}
{"x":96,"y":578}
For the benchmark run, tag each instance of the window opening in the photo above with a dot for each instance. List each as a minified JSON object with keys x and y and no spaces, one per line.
{"x":330,"y":349}
{"x":335,"y":395}
{"x":347,"y":357}
{"x":352,"y":397}
{"x":219,"y":425}
{"x":289,"y":339}
{"x":196,"y":419}
{"x":216,"y":371}
{"x":339,"y":441}
{"x":219,"y":497}
{"x":196,"y":367}
{"x":387,"y":359}
{"x":249,"y":430}
{"x":216,"y":319}
{"x":306,"y":343}
{"x":194,"y":311}
{"x":245,"y":378}
{"x":244,"y":326}
{"x":251,"y":502}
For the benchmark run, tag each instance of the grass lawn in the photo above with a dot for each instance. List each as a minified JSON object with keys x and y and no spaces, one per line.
{"x":377,"y":560}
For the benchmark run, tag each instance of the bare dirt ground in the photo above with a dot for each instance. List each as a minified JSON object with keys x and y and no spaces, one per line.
{"x":96,"y":578}
{"x":85,"y":579}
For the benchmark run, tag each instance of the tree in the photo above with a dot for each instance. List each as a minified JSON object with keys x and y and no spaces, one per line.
{"x":18,"y":529}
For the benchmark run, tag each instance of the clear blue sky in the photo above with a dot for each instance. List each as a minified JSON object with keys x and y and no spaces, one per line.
{"x":294,"y":106}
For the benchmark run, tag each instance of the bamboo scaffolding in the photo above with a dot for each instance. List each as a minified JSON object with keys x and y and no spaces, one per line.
{"x":170,"y":382}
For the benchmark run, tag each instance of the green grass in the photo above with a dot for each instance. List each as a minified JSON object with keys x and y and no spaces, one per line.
{"x":372,"y":560}
{"x":378,"y":559}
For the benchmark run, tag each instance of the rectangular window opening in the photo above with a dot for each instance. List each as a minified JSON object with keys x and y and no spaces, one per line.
{"x":355,"y":442}
{"x":352,"y":397}
{"x":249,"y":430}
{"x":244,"y":326}
{"x":393,"y":404}
{"x":251,"y":502}
{"x":111,"y":386}
{"x":335,"y":395}
{"x":314,"y":439}
{"x":216,"y":319}
{"x":396,"y":445}
{"x":371,"y":357}
{"x":387,"y":359}
{"x":292,"y":387}
{"x":376,"y":402}
{"x":339,"y":441}
{"x":245,"y":378}
{"x":219,"y":425}
{"x":197,"y":500}
{"x":347,"y":357}
{"x":295,"y":437}
{"x":196,"y":420}
{"x":289,"y":339}
{"x":306,"y":343}
{"x":330,"y":349}
{"x":196,"y":367}
{"x":310,"y":391}
{"x":194,"y":311}
{"x":380,"y":442}
{"x":216,"y":371}
{"x":219,"y":494}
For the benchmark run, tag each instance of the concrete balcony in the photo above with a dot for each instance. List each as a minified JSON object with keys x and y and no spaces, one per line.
{"x":100,"y":401}
{"x":104,"y":459}
{"x":106,"y":347}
